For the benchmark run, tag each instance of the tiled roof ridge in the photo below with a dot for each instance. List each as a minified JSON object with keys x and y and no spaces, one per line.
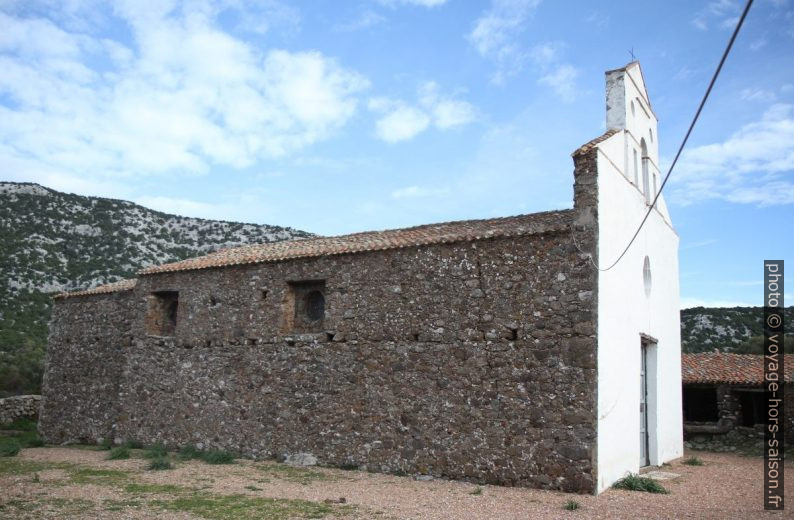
{"x":593,"y":142}
{"x":729,"y":367}
{"x":122,"y":285}
{"x":426,"y":234}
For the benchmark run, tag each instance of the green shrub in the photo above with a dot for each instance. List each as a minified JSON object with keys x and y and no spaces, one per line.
{"x":693,"y":461}
{"x":9,"y":449}
{"x":119,"y":453}
{"x":189,"y":452}
{"x":634,"y":482}
{"x":571,"y":505}
{"x":155,"y":452}
{"x":25,"y":425}
{"x":217,"y":457}
{"x":159,"y":463}
{"x":106,"y":444}
{"x":477,"y":491}
{"x":134,"y":445}
{"x":33,"y":441}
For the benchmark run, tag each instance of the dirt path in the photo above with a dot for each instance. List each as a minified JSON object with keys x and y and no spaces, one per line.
{"x":80,"y":483}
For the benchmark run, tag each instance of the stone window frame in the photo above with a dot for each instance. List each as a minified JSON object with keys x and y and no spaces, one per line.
{"x":162,"y":313}
{"x":301,"y":306}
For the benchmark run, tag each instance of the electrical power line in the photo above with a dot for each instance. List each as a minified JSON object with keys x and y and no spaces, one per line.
{"x":686,"y":137}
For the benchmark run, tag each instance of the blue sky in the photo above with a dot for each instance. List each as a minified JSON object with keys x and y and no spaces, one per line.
{"x":336,"y":117}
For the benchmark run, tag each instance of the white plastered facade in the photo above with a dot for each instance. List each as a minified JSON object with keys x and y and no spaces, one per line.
{"x":630,"y":313}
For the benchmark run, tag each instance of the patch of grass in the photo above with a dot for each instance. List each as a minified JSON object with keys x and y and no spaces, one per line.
{"x":36,"y":478}
{"x":239,"y":507}
{"x":23,"y":467}
{"x":33,"y":441}
{"x":693,"y":461}
{"x":106,"y":444}
{"x":155,"y":452}
{"x":69,"y":506}
{"x":99,"y":476}
{"x":24,"y":425}
{"x":61,"y":507}
{"x":476,"y":491}
{"x":159,"y":463}
{"x":134,"y":445}
{"x":217,"y":457}
{"x":634,"y":482}
{"x":139,"y":488}
{"x":9,"y":449}
{"x":295,"y":474}
{"x":16,"y":505}
{"x":119,"y":453}
{"x":189,"y":452}
{"x":571,"y":505}
{"x":23,"y":438}
{"x":253,"y":488}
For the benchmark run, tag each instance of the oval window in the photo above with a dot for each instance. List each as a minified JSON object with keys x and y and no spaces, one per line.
{"x":315,"y":305}
{"x":646,"y":276}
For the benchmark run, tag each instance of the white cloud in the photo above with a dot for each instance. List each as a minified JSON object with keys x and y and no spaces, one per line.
{"x":758,"y":44}
{"x":755,"y":165}
{"x":497,"y":36}
{"x":598,"y":19}
{"x":720,"y":12}
{"x":496,"y":32}
{"x":446,"y":112}
{"x":365,"y":20}
{"x":182,"y":95}
{"x":546,"y":54}
{"x":757,"y":94}
{"x":450,"y":113}
{"x":562,"y":80}
{"x":402,"y":121}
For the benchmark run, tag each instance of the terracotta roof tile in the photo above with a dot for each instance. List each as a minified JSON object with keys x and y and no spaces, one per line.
{"x":720,"y":367}
{"x":592,"y":144}
{"x":447,"y":232}
{"x":123,"y":285}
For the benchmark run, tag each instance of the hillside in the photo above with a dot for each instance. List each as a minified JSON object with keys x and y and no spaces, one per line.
{"x":52,"y":241}
{"x":736,"y":329}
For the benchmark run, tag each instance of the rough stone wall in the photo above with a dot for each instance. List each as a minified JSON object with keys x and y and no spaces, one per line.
{"x":727,"y":434}
{"x":89,"y":338}
{"x":472,"y":360}
{"x":19,"y":407}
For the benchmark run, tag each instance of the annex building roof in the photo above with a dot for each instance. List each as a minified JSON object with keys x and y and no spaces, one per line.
{"x":722,"y":367}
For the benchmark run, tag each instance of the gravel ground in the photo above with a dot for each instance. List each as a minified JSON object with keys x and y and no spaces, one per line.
{"x":728,"y":486}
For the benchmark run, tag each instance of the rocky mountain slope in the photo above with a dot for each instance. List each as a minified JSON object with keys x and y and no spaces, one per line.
{"x":52,"y":241}
{"x":736,"y":329}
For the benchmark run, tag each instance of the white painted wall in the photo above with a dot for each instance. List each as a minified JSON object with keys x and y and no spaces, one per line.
{"x":624,"y":310}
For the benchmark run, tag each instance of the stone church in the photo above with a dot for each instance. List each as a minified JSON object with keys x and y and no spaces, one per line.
{"x":487,"y":350}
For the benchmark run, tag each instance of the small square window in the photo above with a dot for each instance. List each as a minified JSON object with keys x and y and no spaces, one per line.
{"x":306,"y":306}
{"x":161,"y":315}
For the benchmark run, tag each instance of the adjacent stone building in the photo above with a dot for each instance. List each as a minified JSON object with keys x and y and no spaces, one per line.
{"x":487,"y":350}
{"x":724,"y":402}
